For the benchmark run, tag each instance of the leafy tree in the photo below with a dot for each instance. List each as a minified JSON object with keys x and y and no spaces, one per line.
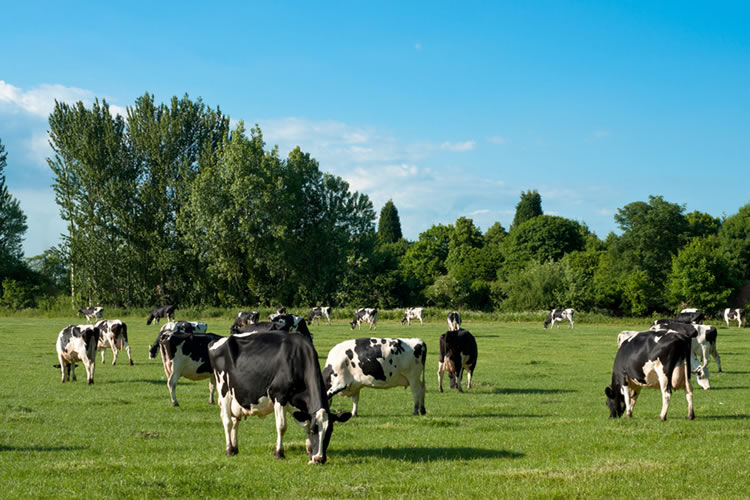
{"x":702,"y":224}
{"x":446,"y":292}
{"x":12,"y":223}
{"x":389,"y":224}
{"x":425,"y":260}
{"x":535,"y":287}
{"x":543,"y":238}
{"x":701,"y":276}
{"x":734,"y":238}
{"x":529,"y":207}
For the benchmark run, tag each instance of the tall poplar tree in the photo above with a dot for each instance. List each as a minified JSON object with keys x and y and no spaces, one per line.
{"x":529,"y":207}
{"x":12,"y":223}
{"x":389,"y":224}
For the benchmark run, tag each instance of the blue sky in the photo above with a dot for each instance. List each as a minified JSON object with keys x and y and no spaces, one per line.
{"x":449,"y":108}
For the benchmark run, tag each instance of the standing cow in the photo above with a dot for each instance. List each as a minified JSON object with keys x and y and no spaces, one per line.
{"x":91,"y":313}
{"x":559,"y":315}
{"x":113,"y":334}
{"x":365,"y":315}
{"x":380,"y":363}
{"x":454,"y":320}
{"x":319,"y":312}
{"x":650,"y":359}
{"x":282,"y":322}
{"x":158,"y":313}
{"x":413,"y":313}
{"x":245,"y":318}
{"x":273,"y":372}
{"x":458,"y":352}
{"x":77,"y":343}
{"x":734,"y":315}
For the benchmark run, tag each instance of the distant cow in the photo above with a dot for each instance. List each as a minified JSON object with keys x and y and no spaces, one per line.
{"x":454,"y":320}
{"x":690,"y":315}
{"x":77,"y":343}
{"x":91,"y":313}
{"x":186,"y":355}
{"x":273,"y":372}
{"x":650,"y":359}
{"x":734,"y":315}
{"x":282,"y":322}
{"x":279,"y":312}
{"x":380,"y":363}
{"x":113,"y":334}
{"x":559,"y":315}
{"x":413,"y":313}
{"x":458,"y":352}
{"x":319,"y":312}
{"x":365,"y":315}
{"x":158,"y":313}
{"x":245,"y":318}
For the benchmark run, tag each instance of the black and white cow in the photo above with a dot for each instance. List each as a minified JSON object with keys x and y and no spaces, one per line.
{"x":245,"y":318}
{"x":704,"y":343}
{"x":365,"y":315}
{"x":77,"y":343}
{"x":113,"y":334}
{"x":175,"y":327}
{"x":654,"y":358}
{"x":282,"y":322}
{"x":690,"y":315}
{"x":279,"y":312}
{"x":319,"y":312}
{"x":91,"y":313}
{"x":559,"y":315}
{"x":458,"y":352}
{"x":186,"y":355}
{"x":413,"y":313}
{"x":380,"y":363}
{"x":734,"y":315}
{"x":158,"y":313}
{"x":454,"y":321}
{"x":261,"y":373}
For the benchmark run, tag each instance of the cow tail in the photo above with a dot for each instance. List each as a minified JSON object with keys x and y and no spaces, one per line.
{"x":424,"y":362}
{"x":125,"y":332}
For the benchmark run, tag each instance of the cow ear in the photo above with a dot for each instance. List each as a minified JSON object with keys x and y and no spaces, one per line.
{"x":301,"y":416}
{"x":341,"y":417}
{"x":608,"y":391}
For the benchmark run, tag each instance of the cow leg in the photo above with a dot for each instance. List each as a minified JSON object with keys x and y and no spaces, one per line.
{"x":417,"y":392}
{"x":211,"y":388}
{"x":666,"y":393}
{"x":459,"y":378}
{"x":688,"y":391}
{"x":230,"y":425}
{"x":72,"y":372}
{"x":114,"y":352}
{"x":103,"y":349}
{"x":172,"y":383}
{"x":630,"y":396}
{"x":469,"y":373}
{"x":716,"y":356}
{"x":280,"y":413}
{"x":127,"y":349}
{"x":440,"y":376}
{"x":355,"y":403}
{"x":64,"y":368}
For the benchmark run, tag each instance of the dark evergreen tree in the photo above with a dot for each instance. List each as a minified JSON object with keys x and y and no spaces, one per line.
{"x":12,"y":224}
{"x":389,"y":225}
{"x":529,"y":207}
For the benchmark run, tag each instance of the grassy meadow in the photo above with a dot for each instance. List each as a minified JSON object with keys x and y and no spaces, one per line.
{"x":534,"y":425}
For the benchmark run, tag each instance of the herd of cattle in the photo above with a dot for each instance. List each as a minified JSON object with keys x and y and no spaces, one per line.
{"x":272,"y":366}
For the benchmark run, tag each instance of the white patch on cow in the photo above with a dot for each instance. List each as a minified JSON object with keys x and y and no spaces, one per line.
{"x":219,"y":343}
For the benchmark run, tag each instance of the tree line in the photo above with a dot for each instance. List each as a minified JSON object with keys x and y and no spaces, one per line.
{"x":171,"y":204}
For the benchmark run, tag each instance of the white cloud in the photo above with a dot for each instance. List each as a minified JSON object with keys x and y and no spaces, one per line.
{"x":40,"y":101}
{"x":458,"y":147}
{"x":497,"y":140}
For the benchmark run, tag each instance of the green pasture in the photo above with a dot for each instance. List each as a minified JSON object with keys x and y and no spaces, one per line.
{"x":534,"y":425}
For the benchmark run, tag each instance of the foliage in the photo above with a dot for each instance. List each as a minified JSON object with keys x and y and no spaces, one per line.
{"x":545,"y":237}
{"x":528,"y":207}
{"x":446,"y":291}
{"x":15,"y":295}
{"x":12,"y":223}
{"x":538,"y":286}
{"x":734,"y":238}
{"x":389,"y":224}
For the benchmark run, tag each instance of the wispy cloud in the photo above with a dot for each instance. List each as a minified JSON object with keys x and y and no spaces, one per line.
{"x":459,"y":147}
{"x":497,"y":140}
{"x":40,"y":101}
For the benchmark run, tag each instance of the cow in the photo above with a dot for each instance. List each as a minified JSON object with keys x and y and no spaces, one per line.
{"x":704,"y":343}
{"x":365,"y":314}
{"x":279,"y":312}
{"x":654,"y":358}
{"x":161,"y":312}
{"x":734,"y":315}
{"x":186,"y":355}
{"x":184,"y":327}
{"x":454,"y":320}
{"x":91,"y":313}
{"x":245,"y":318}
{"x":282,"y":322}
{"x":77,"y":343}
{"x":380,"y":363}
{"x":319,"y":312}
{"x":113,"y":334}
{"x":458,"y":352}
{"x":413,"y":313}
{"x":690,"y":315}
{"x":559,"y":315}
{"x":273,"y":372}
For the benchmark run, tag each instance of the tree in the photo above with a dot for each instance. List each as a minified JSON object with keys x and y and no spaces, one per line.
{"x":389,"y":224}
{"x":702,"y":224}
{"x":543,"y":238}
{"x":425,"y":259}
{"x":529,"y":207}
{"x":734,"y":238}
{"x":12,"y":223}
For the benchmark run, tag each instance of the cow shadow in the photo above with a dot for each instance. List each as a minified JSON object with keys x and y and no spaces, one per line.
{"x":529,"y":390}
{"x":729,"y":388}
{"x":138,"y":381}
{"x":4,"y":447}
{"x":724,"y":417}
{"x":430,"y":454}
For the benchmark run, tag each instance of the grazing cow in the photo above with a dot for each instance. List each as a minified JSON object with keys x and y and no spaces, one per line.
{"x":734,"y":315}
{"x":77,"y":343}
{"x":279,"y":312}
{"x":282,"y":322}
{"x":319,"y":312}
{"x":454,"y":321}
{"x":559,"y":315}
{"x":273,"y":372}
{"x":379,"y":363}
{"x":650,"y":359}
{"x":690,"y":315}
{"x":365,"y":314}
{"x":113,"y":334}
{"x":161,"y":312}
{"x":91,"y":313}
{"x":186,"y":355}
{"x":244,"y":319}
{"x":704,"y":343}
{"x":184,"y":327}
{"x":458,"y":352}
{"x":413,"y":313}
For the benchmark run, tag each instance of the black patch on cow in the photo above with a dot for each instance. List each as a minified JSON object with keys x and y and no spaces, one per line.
{"x":397,"y":347}
{"x":390,"y":361}
{"x":354,"y":365}
{"x":711,"y":335}
{"x":418,"y":351}
{"x":369,"y":353}
{"x":382,"y":341}
{"x":349,"y":354}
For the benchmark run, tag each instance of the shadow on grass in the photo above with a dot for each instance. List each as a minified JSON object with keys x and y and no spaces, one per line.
{"x":530,"y":390}
{"x":430,"y":454}
{"x":735,"y":388}
{"x":140,"y":381}
{"x":724,"y":417}
{"x":4,"y":448}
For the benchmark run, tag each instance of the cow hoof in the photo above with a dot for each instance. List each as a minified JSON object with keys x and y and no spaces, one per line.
{"x":232,"y":451}
{"x":131,"y":362}
{"x":422,"y":411}
{"x":279,"y":455}
{"x":691,"y":416}
{"x":175,"y":403}
{"x":440,"y":389}
{"x":317,"y":460}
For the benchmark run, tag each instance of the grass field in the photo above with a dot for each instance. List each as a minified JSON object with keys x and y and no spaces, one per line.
{"x":534,"y":425}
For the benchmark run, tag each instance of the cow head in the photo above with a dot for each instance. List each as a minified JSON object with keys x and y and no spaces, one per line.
{"x":701,"y":375}
{"x":615,"y":400}
{"x":319,"y":429}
